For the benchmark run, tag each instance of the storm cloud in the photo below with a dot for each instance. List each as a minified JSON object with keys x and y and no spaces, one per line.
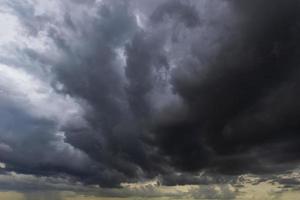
{"x":186,"y":92}
{"x":230,"y":121}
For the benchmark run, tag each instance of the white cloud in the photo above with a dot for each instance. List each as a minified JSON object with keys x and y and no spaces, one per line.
{"x":37,"y":97}
{"x":2,"y":165}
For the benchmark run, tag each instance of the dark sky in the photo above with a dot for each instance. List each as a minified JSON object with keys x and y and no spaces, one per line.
{"x":108,"y":92}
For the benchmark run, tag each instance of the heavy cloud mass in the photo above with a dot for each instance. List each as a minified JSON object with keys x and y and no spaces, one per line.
{"x":107,"y":92}
{"x":240,"y":108}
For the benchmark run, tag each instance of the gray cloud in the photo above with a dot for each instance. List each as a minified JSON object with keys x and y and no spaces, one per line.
{"x":122,"y":91}
{"x":245,"y":72}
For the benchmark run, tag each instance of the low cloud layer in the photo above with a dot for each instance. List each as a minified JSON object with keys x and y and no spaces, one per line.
{"x":185,"y":92}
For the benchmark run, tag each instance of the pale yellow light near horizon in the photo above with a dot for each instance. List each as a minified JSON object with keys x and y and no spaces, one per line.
{"x":11,"y":196}
{"x":261,"y":191}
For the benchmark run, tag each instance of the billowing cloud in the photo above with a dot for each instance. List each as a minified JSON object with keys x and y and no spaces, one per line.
{"x":238,"y":110}
{"x":115,"y":93}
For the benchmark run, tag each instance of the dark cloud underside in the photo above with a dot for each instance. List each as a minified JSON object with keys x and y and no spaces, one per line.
{"x":162,"y":89}
{"x":239,"y":109}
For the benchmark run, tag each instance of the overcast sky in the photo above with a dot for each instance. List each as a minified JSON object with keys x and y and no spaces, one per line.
{"x":149,"y":99}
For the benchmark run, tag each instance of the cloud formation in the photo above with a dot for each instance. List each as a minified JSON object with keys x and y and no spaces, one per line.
{"x":237,"y":114}
{"x":112,"y":92}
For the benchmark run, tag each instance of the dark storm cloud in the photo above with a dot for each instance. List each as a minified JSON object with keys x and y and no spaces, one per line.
{"x":89,"y":72}
{"x":222,"y":97}
{"x":241,"y":110}
{"x":117,"y":94}
{"x":93,"y":74}
{"x":119,"y":100}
